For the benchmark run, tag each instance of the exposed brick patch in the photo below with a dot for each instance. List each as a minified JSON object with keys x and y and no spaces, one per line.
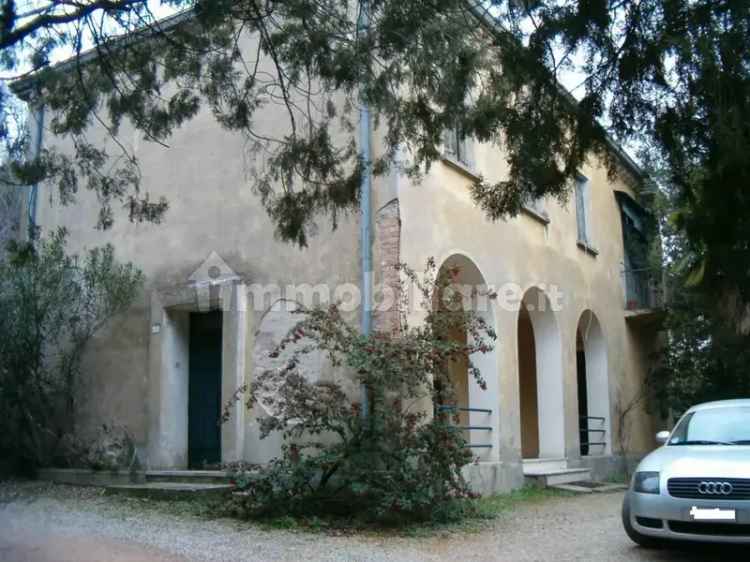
{"x":388,"y":241}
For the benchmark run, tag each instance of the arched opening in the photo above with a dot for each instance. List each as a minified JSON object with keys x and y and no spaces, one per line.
{"x":593,"y":386}
{"x":540,"y":379}
{"x":475,"y":408}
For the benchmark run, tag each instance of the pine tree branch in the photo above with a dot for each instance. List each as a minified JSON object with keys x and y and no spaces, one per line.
{"x":11,"y":37}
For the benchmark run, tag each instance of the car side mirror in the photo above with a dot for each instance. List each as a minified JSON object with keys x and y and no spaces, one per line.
{"x":662,"y":437}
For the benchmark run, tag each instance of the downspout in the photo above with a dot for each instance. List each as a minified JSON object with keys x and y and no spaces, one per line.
{"x":31,"y":210}
{"x":365,"y":153}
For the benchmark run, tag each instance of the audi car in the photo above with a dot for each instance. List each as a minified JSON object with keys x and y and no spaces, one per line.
{"x":696,"y":487}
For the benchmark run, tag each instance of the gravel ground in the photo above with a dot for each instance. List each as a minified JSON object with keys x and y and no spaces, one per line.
{"x":60,"y":525}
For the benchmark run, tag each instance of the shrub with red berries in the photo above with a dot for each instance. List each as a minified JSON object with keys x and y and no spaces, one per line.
{"x":399,"y":460}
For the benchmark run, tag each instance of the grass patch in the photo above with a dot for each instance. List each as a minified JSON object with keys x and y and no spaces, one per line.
{"x":617,"y":478}
{"x":461,"y":516}
{"x":203,"y":508}
{"x":491,"y":507}
{"x":482,"y":512}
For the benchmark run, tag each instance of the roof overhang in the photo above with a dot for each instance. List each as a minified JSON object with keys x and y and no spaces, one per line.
{"x":26,"y":88}
{"x":625,"y":160}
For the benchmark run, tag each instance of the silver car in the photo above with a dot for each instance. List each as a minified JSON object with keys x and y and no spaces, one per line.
{"x":697,"y":486}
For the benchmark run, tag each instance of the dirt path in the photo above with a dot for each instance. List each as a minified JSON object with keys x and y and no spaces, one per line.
{"x":583,"y":528}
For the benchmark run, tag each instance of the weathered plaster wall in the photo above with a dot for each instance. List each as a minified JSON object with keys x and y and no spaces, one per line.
{"x":440,"y":220}
{"x":212,"y":208}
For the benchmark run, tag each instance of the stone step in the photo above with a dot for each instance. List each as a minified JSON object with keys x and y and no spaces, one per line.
{"x":551,"y":477}
{"x":187,"y":476}
{"x":572,"y":487}
{"x":590,"y":487}
{"x":169,"y":490}
{"x":545,"y":463}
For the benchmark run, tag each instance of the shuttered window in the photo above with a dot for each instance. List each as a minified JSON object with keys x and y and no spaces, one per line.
{"x":457,"y":146}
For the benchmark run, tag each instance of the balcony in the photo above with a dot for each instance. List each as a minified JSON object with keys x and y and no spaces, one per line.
{"x":645,"y":294}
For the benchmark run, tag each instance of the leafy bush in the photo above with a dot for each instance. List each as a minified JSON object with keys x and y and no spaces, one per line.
{"x":397,"y":461}
{"x":51,"y":303}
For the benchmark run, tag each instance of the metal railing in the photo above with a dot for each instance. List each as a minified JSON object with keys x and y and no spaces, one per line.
{"x":450,"y":408}
{"x":456,"y":408}
{"x":585,"y":433}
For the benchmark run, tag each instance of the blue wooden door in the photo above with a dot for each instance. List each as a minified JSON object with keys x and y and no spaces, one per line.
{"x":204,"y":390}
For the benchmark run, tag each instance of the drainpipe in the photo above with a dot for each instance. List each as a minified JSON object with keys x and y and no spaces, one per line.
{"x":365,"y":153}
{"x":35,"y":187}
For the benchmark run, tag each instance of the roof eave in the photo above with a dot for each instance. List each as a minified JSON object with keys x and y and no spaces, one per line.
{"x":632,"y":167}
{"x":27,"y":86}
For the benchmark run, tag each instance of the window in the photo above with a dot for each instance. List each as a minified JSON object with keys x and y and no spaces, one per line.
{"x":729,"y":425}
{"x":582,"y":215}
{"x":456,"y":146}
{"x":536,"y":206}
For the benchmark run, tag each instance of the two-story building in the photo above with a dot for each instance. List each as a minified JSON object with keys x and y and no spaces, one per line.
{"x":574,"y":340}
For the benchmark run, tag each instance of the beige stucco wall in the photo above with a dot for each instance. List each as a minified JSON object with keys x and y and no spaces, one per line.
{"x":440,"y":220}
{"x":212,"y":208}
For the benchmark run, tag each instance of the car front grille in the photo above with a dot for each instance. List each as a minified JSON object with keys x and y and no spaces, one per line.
{"x":690,"y":488}
{"x":716,"y":529}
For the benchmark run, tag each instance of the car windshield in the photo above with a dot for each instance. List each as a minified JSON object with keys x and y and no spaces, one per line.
{"x":728,"y":425}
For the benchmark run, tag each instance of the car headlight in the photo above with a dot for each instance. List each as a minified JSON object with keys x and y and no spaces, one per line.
{"x":646,"y":482}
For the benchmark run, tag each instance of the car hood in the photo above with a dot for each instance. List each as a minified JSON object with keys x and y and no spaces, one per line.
{"x":727,"y":461}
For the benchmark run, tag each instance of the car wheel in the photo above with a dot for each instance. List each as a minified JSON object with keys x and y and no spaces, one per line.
{"x":635,"y":536}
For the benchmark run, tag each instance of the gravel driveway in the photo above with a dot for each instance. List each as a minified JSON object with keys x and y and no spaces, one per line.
{"x":49,"y":528}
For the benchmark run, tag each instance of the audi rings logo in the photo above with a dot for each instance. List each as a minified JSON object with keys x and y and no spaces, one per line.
{"x":715,"y":488}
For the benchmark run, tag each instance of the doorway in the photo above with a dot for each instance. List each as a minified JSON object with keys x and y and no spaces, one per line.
{"x":473,"y":399}
{"x":583,"y":395}
{"x":593,"y":386}
{"x":540,"y":379}
{"x":459,"y":378}
{"x":204,"y":389}
{"x":527,"y":387}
